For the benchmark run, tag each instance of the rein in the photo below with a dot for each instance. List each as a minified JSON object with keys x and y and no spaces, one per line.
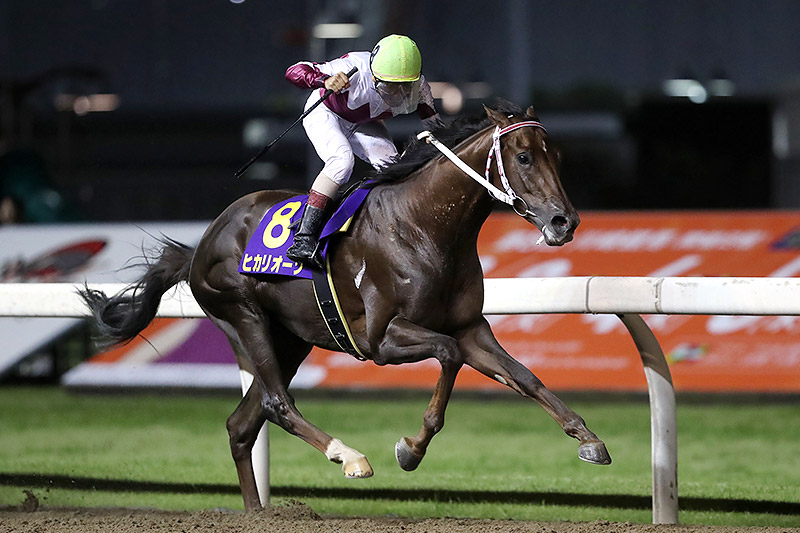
{"x":509,"y":197}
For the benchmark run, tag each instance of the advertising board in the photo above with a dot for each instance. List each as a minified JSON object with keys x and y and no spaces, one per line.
{"x":576,"y":352}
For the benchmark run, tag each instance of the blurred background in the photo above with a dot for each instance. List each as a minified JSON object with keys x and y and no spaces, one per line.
{"x":129,"y":118}
{"x":123,"y":120}
{"x":117,"y":110}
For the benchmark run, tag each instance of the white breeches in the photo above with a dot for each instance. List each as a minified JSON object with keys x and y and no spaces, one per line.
{"x":338,"y":141}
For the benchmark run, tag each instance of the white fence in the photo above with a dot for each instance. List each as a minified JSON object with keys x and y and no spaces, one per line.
{"x":626,"y":297}
{"x":590,"y":294}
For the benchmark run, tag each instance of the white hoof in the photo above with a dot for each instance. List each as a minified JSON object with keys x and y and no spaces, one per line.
{"x":357,"y":469}
{"x":354,"y":463}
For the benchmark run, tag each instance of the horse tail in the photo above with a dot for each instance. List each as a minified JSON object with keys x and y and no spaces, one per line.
{"x":120,"y":318}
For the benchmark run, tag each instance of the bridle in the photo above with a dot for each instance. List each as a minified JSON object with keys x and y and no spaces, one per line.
{"x":512,"y":198}
{"x":509,"y":197}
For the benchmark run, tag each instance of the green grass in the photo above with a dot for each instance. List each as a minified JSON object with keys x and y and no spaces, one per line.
{"x":738,"y":464}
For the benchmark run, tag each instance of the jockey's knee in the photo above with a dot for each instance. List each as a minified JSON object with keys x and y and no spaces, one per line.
{"x":339,"y":167}
{"x":381,"y":158}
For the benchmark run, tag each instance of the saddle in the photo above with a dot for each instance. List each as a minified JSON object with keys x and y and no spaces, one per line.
{"x":265,"y":253}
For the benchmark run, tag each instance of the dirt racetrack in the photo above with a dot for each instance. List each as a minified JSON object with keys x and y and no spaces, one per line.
{"x":297,"y":517}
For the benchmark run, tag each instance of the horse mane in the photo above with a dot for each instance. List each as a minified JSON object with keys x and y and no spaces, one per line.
{"x":418,"y":152}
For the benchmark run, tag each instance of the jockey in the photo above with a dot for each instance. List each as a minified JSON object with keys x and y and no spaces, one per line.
{"x":388,"y":83}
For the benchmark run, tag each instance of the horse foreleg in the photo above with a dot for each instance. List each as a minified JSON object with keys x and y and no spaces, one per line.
{"x":409,"y":451}
{"x":406,"y":342}
{"x":483,"y":353}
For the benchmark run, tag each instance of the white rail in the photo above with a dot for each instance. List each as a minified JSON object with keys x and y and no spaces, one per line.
{"x":591,"y":294}
{"x":626,"y":297}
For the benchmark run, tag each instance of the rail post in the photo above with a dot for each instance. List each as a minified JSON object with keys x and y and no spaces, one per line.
{"x":260,"y":453}
{"x":663,"y":420}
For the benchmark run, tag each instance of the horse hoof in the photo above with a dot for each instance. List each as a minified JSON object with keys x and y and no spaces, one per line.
{"x":594,"y":452}
{"x":357,"y":469}
{"x":406,"y":458}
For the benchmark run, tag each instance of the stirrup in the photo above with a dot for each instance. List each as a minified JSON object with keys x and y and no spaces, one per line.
{"x":303,"y":255}
{"x":316,"y":260}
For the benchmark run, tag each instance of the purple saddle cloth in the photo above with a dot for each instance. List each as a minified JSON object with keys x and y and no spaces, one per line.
{"x":266,"y":251}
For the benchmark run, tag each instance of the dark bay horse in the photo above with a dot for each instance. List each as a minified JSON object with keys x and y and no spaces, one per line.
{"x":407,"y":275}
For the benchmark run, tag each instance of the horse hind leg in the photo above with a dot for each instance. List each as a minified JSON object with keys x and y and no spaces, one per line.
{"x":484,"y":354}
{"x":269,"y":399}
{"x":354,"y":464}
{"x":243,"y":427}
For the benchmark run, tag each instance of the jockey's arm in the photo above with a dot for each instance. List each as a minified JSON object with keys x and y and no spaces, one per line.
{"x":425,"y":109}
{"x":338,"y":82}
{"x":306,"y":75}
{"x":329,"y":75}
{"x":431,"y":122}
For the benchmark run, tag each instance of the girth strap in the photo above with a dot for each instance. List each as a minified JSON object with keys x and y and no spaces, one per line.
{"x":328,"y":304}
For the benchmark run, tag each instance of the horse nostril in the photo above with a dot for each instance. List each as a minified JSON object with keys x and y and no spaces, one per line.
{"x":559,"y":224}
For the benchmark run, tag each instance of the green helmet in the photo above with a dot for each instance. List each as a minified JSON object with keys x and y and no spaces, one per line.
{"x":396,"y":58}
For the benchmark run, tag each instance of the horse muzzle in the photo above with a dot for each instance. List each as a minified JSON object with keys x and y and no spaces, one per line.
{"x":560,"y":229}
{"x":557,"y":225}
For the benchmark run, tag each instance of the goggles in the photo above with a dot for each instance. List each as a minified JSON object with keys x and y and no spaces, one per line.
{"x":395,"y":94}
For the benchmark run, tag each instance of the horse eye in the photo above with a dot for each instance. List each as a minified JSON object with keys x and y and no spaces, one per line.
{"x":523,"y":159}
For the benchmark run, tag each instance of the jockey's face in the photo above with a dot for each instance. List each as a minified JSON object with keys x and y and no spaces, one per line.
{"x":394,"y":94}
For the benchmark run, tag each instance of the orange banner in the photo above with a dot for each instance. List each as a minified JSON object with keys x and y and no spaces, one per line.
{"x":567,"y":352}
{"x":595,"y":352}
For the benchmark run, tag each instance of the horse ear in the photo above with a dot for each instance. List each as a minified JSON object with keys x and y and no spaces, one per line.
{"x":530,"y":112}
{"x":497,"y":117}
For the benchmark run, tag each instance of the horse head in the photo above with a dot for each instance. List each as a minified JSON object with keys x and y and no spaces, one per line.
{"x":528,"y":170}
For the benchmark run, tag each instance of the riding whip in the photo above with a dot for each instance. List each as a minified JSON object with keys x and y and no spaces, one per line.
{"x":264,"y":150}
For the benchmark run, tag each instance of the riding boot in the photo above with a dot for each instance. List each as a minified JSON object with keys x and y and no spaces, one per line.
{"x":306,"y":245}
